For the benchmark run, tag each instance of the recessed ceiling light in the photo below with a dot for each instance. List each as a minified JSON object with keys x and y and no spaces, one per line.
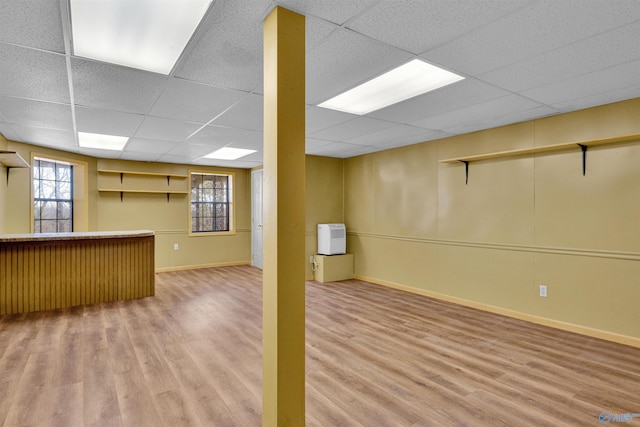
{"x":102,"y":142}
{"x":229,"y":153}
{"x":411,"y":79}
{"x":144,"y":34}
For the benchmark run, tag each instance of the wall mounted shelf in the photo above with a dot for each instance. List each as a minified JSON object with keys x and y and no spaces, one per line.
{"x":567,"y":146}
{"x":11,"y":160}
{"x":168,"y":191}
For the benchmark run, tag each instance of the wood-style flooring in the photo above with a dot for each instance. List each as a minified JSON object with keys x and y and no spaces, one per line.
{"x":191,"y":355}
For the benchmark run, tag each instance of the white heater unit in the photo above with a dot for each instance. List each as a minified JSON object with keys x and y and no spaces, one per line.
{"x":332,"y":239}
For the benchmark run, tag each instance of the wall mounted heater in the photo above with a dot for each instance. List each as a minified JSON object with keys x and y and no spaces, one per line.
{"x":332,"y":239}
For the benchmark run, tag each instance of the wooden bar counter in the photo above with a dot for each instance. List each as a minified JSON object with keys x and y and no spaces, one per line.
{"x":49,"y":271}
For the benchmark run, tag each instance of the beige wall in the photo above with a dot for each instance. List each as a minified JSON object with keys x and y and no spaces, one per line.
{"x":324,"y":199}
{"x":3,"y":186}
{"x":169,"y":219}
{"x":519,"y":223}
{"x":105,"y":211}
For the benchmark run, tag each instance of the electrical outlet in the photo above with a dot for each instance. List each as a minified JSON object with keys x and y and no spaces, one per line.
{"x":175,"y":247}
{"x":543,"y":290}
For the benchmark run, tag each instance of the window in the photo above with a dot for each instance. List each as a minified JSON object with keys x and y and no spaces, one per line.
{"x":211,"y":202}
{"x":52,"y":196}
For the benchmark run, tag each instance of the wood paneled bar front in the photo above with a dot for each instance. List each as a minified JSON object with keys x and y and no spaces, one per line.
{"x":48,"y":271}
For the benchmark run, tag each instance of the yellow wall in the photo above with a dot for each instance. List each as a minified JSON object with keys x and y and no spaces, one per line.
{"x":519,"y":223}
{"x":169,"y":220}
{"x":324,"y":199}
{"x":3,"y":186}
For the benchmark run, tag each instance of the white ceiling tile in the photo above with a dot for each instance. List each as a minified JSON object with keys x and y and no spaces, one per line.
{"x":62,"y":139}
{"x":345,"y":60}
{"x":247,"y":114}
{"x":428,"y":135}
{"x":418,"y":25}
{"x":336,"y":11}
{"x":547,"y":25}
{"x":514,"y":117}
{"x":150,"y":146}
{"x":165,"y":129}
{"x":600,"y":82}
{"x":253,"y":157}
{"x":477,"y":113}
{"x":236,"y":164}
{"x":35,"y":113}
{"x":312,"y":144}
{"x":218,"y":135}
{"x":170,"y":158}
{"x":599,"y":99}
{"x":34,"y":74}
{"x":144,"y":156}
{"x":8,"y":132}
{"x":251,"y":141}
{"x":320,"y":118}
{"x":333,"y":149}
{"x":393,"y":134}
{"x":316,"y":31}
{"x":443,"y":100}
{"x":32,"y":23}
{"x":583,"y":57}
{"x":357,"y":152}
{"x":192,"y":151}
{"x":352,"y":128}
{"x":112,"y":87}
{"x":107,"y":122}
{"x":194,"y":102}
{"x":101,"y":154}
{"x":228,"y":52}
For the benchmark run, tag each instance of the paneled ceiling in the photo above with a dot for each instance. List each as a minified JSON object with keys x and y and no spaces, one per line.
{"x":522,"y":59}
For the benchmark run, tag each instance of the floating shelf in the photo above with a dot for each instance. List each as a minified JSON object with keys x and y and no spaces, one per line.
{"x":116,"y":190}
{"x":172,"y":175}
{"x":168,"y":191}
{"x":578,"y":145}
{"x":11,"y":160}
{"x":122,"y":191}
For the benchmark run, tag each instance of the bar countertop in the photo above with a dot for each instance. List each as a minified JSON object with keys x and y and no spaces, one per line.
{"x":91,"y":235}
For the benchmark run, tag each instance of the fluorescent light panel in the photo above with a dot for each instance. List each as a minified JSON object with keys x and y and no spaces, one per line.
{"x":145,"y":34}
{"x":229,"y":153}
{"x":411,"y":79}
{"x":101,"y":142}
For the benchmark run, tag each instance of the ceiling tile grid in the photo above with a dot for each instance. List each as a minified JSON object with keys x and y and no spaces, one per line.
{"x":34,"y":74}
{"x":40,"y":114}
{"x":32,"y":23}
{"x":345,"y":60}
{"x":113,"y":87}
{"x":229,"y":50}
{"x":521,"y":59}
{"x":193,"y":102}
{"x":405,"y":25}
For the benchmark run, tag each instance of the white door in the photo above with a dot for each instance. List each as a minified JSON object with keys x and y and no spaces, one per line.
{"x":256,"y":218}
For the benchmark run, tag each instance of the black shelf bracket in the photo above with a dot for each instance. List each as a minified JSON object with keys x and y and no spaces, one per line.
{"x":121,"y":196}
{"x":168,"y":197}
{"x":121,"y":177}
{"x":584,"y":159}
{"x":168,"y":180}
{"x":466,"y":171}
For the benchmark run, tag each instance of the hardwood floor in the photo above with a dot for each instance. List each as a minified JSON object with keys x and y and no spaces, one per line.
{"x":191,"y":355}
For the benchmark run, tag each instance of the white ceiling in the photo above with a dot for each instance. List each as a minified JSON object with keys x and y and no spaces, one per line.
{"x":522,"y":59}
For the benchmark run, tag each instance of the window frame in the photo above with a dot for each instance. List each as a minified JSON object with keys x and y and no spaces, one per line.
{"x":57,"y":199}
{"x":230,"y":204}
{"x":80,"y":196}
